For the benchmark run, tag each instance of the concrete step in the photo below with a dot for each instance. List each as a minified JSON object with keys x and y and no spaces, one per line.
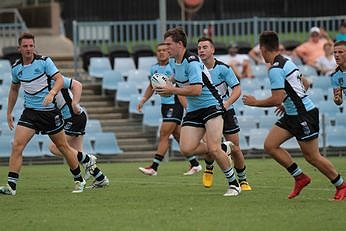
{"x":108,"y":116}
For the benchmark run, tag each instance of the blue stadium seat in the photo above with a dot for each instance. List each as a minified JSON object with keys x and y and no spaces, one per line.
{"x":98,"y":65}
{"x":126,"y":89}
{"x":145,"y":63}
{"x":291,"y":144}
{"x":336,"y":136}
{"x":152,"y":115}
{"x":106,"y":144}
{"x":307,"y":70}
{"x":124,"y":64}
{"x":257,"y":137}
{"x":139,"y":76}
{"x":111,"y":79}
{"x":267,"y":121}
{"x":93,"y":126}
{"x":321,"y":82}
{"x":5,"y":67}
{"x":5,"y":145}
{"x":328,"y":107}
{"x":247,"y":122}
{"x":260,"y":71}
{"x":134,"y":101}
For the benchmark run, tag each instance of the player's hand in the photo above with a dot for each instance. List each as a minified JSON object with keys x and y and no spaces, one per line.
{"x":338,"y":96}
{"x":280,"y":110}
{"x":48,"y":99}
{"x":76,"y":108}
{"x":249,"y":100}
{"x":139,"y":106}
{"x":165,"y":90}
{"x":10,"y":121}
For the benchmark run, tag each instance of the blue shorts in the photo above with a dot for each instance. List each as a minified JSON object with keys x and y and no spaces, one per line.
{"x":199,"y":117}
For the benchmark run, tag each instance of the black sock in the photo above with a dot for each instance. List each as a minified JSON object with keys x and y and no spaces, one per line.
{"x":77,"y":174}
{"x":98,"y":174}
{"x":12,"y":178}
{"x":156,"y":161}
{"x":82,"y":158}
{"x":209,"y":164}
{"x":193,"y":161}
{"x":241,"y":174}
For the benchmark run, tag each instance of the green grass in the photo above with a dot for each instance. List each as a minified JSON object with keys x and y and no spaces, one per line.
{"x":170,"y":201}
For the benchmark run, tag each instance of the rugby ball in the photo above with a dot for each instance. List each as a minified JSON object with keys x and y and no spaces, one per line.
{"x":158,"y":80}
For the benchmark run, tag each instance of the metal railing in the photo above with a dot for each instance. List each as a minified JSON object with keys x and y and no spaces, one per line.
{"x":11,"y":28}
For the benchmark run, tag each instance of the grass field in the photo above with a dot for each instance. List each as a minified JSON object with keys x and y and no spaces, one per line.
{"x":170,"y":201}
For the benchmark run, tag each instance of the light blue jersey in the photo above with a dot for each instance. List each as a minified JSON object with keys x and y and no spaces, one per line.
{"x":284,"y":74}
{"x":223,"y":77}
{"x":338,"y":79}
{"x":192,"y":72}
{"x":168,"y":71}
{"x":35,"y":78}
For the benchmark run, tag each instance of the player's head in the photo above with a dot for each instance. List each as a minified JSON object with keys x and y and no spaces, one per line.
{"x":176,"y":40}
{"x":162,"y":53}
{"x":205,"y":48}
{"x":269,"y":43}
{"x":340,"y":53}
{"x":26,"y":45}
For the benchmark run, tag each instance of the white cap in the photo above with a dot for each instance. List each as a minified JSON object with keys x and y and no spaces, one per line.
{"x":315,"y":29}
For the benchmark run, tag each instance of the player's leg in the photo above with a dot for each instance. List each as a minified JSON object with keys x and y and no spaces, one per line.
{"x":22,"y":136}
{"x":214,"y":127}
{"x":313,"y":156}
{"x":70,"y":154}
{"x":194,"y":167}
{"x":166,"y":129}
{"x":274,"y":139}
{"x":238,"y":161}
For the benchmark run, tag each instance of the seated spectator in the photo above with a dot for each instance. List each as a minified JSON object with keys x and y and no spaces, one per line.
{"x":256,"y":55}
{"x":312,"y":49}
{"x":288,"y":54}
{"x":342,"y":32}
{"x":326,"y":64}
{"x":240,"y":63}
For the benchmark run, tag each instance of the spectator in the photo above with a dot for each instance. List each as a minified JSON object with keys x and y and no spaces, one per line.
{"x":289,"y":55}
{"x":326,"y":64}
{"x":342,"y":32}
{"x":240,"y":63}
{"x":255,"y":54}
{"x":312,"y":49}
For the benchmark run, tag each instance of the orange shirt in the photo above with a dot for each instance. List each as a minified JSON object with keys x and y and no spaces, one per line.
{"x":311,"y":51}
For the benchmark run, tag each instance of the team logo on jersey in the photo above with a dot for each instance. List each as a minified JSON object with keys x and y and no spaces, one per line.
{"x":276,"y":64}
{"x":37,"y":71}
{"x":191,"y":57}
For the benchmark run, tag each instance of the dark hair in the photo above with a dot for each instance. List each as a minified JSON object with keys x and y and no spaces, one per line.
{"x":340,"y":43}
{"x":25,"y":35}
{"x":161,"y":44}
{"x":204,"y":39}
{"x":177,"y":34}
{"x":269,"y":40}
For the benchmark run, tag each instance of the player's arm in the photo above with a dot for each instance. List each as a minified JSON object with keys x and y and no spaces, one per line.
{"x":76,"y":89}
{"x":12,"y":99}
{"x":275,"y":99}
{"x":182,"y":100}
{"x":149,"y":91}
{"x":235,"y":94}
{"x":58,"y":84}
{"x":337,"y":92}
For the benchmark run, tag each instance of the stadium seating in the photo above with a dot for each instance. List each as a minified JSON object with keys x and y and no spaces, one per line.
{"x":116,"y":52}
{"x":11,"y":53}
{"x":336,"y":136}
{"x":152,"y":115}
{"x":124,"y":64}
{"x":141,"y":50}
{"x":111,"y":80}
{"x":93,"y":126}
{"x":328,"y":107}
{"x":106,"y":144}
{"x":256,"y":138}
{"x":134,"y":101}
{"x":5,"y":67}
{"x":126,"y":89}
{"x":5,"y":145}
{"x":88,"y":52}
{"x":267,"y":121}
{"x":260,"y":71}
{"x":99,"y":65}
{"x":322,"y":82}
{"x":145,"y":63}
{"x":32,"y":149}
{"x":139,"y":76}
{"x":307,"y":70}
{"x":247,"y":122}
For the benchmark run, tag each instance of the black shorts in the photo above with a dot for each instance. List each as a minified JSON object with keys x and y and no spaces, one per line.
{"x":44,"y":122}
{"x":199,"y":117}
{"x":75,"y":126}
{"x":304,"y":126}
{"x":230,"y":122}
{"x":172,"y":113}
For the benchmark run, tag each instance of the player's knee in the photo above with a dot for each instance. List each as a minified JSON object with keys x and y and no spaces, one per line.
{"x":268,"y":147}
